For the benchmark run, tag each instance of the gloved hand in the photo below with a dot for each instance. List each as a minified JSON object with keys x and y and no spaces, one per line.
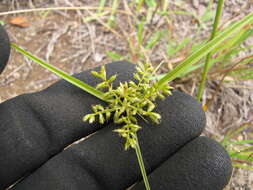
{"x":37,"y":129}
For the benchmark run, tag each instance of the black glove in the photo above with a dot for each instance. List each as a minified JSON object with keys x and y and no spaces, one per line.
{"x":35,"y":129}
{"x":4,"y":48}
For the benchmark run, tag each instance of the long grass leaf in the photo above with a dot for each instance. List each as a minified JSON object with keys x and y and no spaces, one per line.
{"x":61,"y":74}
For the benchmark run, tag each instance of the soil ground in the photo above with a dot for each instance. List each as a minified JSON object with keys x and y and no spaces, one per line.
{"x":64,"y":40}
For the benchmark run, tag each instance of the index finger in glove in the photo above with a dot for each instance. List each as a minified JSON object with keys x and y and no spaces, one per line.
{"x":34,"y":127}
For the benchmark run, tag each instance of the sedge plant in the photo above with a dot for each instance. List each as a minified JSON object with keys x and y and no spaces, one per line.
{"x":136,"y":99}
{"x":126,"y":102}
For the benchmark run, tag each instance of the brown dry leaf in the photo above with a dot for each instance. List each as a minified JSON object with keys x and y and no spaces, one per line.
{"x":19,"y":21}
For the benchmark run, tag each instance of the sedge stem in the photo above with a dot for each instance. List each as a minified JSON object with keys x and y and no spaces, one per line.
{"x":209,"y":55}
{"x":141,"y":164}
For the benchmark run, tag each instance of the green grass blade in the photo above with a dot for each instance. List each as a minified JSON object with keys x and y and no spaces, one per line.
{"x":139,"y":5}
{"x":246,"y":34}
{"x":140,"y":31}
{"x":151,"y":3}
{"x":2,"y":23}
{"x":236,"y":40}
{"x":61,"y":74}
{"x":165,"y":7}
{"x":240,"y":156}
{"x":111,"y":20}
{"x":209,"y":13}
{"x":237,"y":131}
{"x":114,"y":56}
{"x":155,"y":38}
{"x":230,"y":46}
{"x":98,"y":14}
{"x":101,"y":6}
{"x":227,"y":139}
{"x":172,"y":49}
{"x":245,"y":74}
{"x":204,"y":50}
{"x":243,"y":166}
{"x":242,"y":142}
{"x":151,"y":9}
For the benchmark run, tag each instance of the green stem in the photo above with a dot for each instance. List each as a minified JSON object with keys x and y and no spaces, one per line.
{"x":209,"y":55}
{"x":141,"y":164}
{"x":61,"y":74}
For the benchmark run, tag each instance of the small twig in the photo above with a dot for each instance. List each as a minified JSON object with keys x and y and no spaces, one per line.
{"x":240,"y":86}
{"x":84,"y":59}
{"x":71,"y":5}
{"x":15,"y":70}
{"x":92,"y":35}
{"x":106,"y":25}
{"x":45,"y":81}
{"x":78,"y":54}
{"x":54,"y":39}
{"x":57,"y":8}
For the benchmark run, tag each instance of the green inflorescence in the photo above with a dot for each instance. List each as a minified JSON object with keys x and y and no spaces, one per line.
{"x":128,"y":101}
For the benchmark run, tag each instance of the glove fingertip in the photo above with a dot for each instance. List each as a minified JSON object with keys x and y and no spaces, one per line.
{"x":4,"y":48}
